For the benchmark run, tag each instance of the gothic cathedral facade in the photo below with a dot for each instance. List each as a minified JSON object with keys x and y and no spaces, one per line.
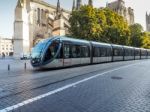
{"x":147,"y":22}
{"x":36,"y":20}
{"x":120,"y":8}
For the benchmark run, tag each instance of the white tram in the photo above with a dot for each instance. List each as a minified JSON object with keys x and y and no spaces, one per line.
{"x":63,"y":52}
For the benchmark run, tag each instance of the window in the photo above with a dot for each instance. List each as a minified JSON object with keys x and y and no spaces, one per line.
{"x":96,"y":52}
{"x":108,"y":51}
{"x":143,"y":53}
{"x":66,"y":51}
{"x":117,"y":52}
{"x":76,"y":51}
{"x":38,"y":15}
{"x":60,"y":55}
{"x":84,"y":51}
{"x":129,"y":52}
{"x":52,"y":50}
{"x":103,"y":52}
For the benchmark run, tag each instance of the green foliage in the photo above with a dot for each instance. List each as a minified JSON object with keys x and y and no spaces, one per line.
{"x":99,"y":25}
{"x":136,"y":35}
{"x":146,"y":40}
{"x":116,"y":30}
{"x":87,"y":23}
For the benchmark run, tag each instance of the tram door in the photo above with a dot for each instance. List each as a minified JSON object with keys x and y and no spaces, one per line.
{"x":67,"y":54}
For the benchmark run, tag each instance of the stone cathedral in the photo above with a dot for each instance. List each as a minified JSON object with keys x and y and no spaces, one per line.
{"x":119,"y":7}
{"x":147,"y":22}
{"x":36,"y":20}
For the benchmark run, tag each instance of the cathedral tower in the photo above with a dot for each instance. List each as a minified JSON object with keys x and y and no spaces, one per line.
{"x":21,"y":29}
{"x":59,"y":22}
{"x":90,"y":2}
{"x":79,"y":4}
{"x":73,"y":6}
{"x":147,"y":22}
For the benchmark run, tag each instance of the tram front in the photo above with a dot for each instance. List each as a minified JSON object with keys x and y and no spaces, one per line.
{"x":45,"y":52}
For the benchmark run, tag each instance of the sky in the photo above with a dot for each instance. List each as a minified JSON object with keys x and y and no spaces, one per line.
{"x":7,"y":9}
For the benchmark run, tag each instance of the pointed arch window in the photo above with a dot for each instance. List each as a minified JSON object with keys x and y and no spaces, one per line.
{"x":39,"y":15}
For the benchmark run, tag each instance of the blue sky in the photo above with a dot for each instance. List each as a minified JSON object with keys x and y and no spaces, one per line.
{"x":7,"y":8}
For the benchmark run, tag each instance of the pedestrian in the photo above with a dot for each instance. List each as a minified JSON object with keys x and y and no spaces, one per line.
{"x":3,"y":55}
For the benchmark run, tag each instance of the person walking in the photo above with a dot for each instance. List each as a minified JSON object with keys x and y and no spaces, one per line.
{"x":3,"y":55}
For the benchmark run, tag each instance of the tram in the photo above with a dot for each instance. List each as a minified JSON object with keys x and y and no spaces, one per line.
{"x":61,"y":51}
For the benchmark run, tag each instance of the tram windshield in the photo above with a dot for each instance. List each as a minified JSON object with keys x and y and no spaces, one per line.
{"x":37,"y":50}
{"x":52,"y":50}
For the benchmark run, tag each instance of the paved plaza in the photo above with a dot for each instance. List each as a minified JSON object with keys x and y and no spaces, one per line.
{"x":108,"y":87}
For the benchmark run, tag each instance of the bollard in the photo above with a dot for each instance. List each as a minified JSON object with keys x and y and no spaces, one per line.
{"x":25,"y":66}
{"x":8,"y":67}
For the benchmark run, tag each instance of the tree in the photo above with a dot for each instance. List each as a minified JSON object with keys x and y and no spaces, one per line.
{"x":87,"y":23}
{"x":99,"y":25}
{"x":117,"y":30}
{"x":136,"y":35}
{"x":146,"y":40}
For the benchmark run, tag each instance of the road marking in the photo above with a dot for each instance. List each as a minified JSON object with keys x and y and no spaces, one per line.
{"x":59,"y":89}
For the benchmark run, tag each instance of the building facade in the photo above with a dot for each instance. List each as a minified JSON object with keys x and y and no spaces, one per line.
{"x":6,"y":46}
{"x":147,"y":22}
{"x":120,"y":8}
{"x":36,"y":20}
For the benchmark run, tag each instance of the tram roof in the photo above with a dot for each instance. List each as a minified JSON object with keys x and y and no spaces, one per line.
{"x":64,"y":38}
{"x":100,"y":43}
{"x":128,"y":47}
{"x":115,"y":45}
{"x":70,"y":40}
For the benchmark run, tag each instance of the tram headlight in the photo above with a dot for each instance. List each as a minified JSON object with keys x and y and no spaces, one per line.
{"x":34,"y":61}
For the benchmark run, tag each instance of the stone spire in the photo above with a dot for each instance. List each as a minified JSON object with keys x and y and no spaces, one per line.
{"x":73,"y":6}
{"x":106,"y":4}
{"x":79,"y":3}
{"x":58,"y":11}
{"x":58,"y":7}
{"x":20,"y":3}
{"x":147,"y":21}
{"x":90,"y":3}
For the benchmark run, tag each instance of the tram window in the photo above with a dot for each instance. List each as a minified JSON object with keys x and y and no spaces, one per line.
{"x":117,"y":52}
{"x":108,"y":52}
{"x":127,"y":52}
{"x":143,"y":53}
{"x":52,"y":50}
{"x":84,"y":51}
{"x":60,"y":55}
{"x":96,"y":52}
{"x":74,"y":54}
{"x":137,"y":53}
{"x":66,"y":51}
{"x":132,"y":52}
{"x":103,"y":52}
{"x":76,"y":51}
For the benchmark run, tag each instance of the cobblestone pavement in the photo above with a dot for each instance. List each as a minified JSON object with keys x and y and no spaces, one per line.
{"x":120,"y":90}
